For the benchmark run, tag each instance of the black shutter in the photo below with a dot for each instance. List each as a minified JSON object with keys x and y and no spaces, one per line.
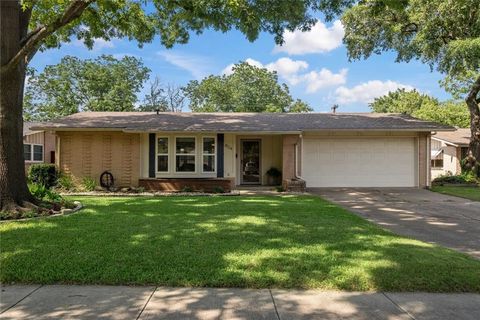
{"x":151,"y":155}
{"x":220,"y":154}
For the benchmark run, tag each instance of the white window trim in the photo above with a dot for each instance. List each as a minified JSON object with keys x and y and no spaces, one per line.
{"x":162,"y":154}
{"x":185,"y":154}
{"x":31,"y":153}
{"x":214,"y":154}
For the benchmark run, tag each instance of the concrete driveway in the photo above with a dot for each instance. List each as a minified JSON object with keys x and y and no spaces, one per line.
{"x":432,"y":217}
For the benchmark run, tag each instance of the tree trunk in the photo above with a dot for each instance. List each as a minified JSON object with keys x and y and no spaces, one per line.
{"x":13,"y":184}
{"x":473,"y":106}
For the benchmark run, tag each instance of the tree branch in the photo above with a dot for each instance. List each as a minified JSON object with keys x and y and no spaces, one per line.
{"x":33,"y":40}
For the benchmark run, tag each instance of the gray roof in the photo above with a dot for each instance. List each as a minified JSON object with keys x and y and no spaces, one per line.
{"x":238,"y":122}
{"x":460,"y":137}
{"x":27,"y":128}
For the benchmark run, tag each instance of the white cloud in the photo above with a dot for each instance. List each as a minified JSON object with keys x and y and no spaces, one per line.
{"x":368,"y":91}
{"x":228,"y":70}
{"x":316,"y":80}
{"x":98,"y":45}
{"x":291,"y":71}
{"x":198,"y":66}
{"x":288,"y":68}
{"x":319,"y":39}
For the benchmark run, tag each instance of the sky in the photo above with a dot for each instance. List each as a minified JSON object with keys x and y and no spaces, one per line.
{"x":313,"y":64}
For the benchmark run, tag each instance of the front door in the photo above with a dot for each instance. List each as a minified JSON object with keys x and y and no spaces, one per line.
{"x":250,"y":161}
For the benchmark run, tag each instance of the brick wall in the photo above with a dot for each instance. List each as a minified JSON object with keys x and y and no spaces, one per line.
{"x":88,"y":154}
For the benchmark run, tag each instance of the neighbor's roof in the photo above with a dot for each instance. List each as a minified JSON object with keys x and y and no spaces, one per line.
{"x":458,"y":137}
{"x":237,"y":122}
{"x":27,"y":128}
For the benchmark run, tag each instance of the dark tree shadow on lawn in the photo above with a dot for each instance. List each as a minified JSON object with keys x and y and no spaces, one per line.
{"x":254,"y":242}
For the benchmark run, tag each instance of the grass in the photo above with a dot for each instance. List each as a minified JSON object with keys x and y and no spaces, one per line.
{"x":472,"y":193}
{"x":257,"y":241}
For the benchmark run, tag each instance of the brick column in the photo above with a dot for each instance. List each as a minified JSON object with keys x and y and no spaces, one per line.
{"x":288,"y":165}
{"x":423,"y":160}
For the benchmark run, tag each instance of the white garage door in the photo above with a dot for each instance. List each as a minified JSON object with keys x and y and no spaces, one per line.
{"x":373,"y":162}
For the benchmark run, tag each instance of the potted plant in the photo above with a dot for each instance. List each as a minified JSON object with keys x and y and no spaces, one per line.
{"x":274,"y":176}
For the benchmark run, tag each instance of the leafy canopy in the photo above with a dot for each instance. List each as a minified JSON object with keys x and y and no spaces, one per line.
{"x":444,"y":34}
{"x":247,"y":89}
{"x":401,"y":101}
{"x":102,"y":84}
{"x":422,"y":106}
{"x":171,"y":20}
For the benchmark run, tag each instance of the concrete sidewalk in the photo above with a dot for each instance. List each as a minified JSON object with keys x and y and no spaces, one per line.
{"x":122,"y":302}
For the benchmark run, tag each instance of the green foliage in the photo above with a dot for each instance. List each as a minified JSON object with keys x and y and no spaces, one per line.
{"x":65,"y":182}
{"x":444,"y":34}
{"x":89,"y":184}
{"x":424,"y":107}
{"x":43,"y":193}
{"x":173,"y":21}
{"x":402,"y":101}
{"x":247,"y":89}
{"x":187,"y":189}
{"x":218,"y":189}
{"x":274,"y":172}
{"x":164,"y":98}
{"x":449,"y":113}
{"x":464,"y":178}
{"x":102,"y":84}
{"x":43,"y":174}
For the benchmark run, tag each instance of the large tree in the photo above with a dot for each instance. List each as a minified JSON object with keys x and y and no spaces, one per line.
{"x":163,"y":97}
{"x":424,"y":107}
{"x":247,"y":89}
{"x":29,"y":25}
{"x":442,"y":33}
{"x":73,"y":85}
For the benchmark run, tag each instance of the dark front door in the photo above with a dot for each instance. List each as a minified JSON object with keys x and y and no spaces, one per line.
{"x":250,"y":161}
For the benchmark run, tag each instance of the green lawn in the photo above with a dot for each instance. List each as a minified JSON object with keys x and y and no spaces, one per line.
{"x":262,"y":241}
{"x":471,"y":193}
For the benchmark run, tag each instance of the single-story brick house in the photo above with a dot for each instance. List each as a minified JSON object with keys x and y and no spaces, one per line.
{"x":169,"y":150}
{"x":447,"y":151}
{"x":38,"y":146}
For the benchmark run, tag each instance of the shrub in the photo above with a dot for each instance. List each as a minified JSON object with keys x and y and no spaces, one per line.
{"x":467,"y":177}
{"x":65,"y":182}
{"x":42,"y":193}
{"x":218,"y":189}
{"x":89,"y":184}
{"x":38,"y":191}
{"x":44,"y":174}
{"x":274,"y":172}
{"x":187,"y":189}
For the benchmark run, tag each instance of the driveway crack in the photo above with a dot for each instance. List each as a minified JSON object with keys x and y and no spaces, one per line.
{"x":274,"y":304}
{"x":398,"y":306}
{"x":16,"y":303}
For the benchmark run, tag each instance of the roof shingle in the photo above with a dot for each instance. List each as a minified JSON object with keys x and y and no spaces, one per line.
{"x":459,"y":137}
{"x":238,"y":122}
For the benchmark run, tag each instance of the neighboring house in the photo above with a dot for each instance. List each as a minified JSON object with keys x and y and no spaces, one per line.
{"x":448,"y":150}
{"x":167,"y":151}
{"x":38,"y":145}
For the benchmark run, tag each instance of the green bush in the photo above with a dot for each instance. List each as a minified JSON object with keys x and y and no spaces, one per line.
{"x":218,"y":189}
{"x":464,"y":178}
{"x":89,"y":184}
{"x":42,"y":193}
{"x":65,"y":182}
{"x":274,"y":172}
{"x":187,"y":189}
{"x":44,"y":174}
